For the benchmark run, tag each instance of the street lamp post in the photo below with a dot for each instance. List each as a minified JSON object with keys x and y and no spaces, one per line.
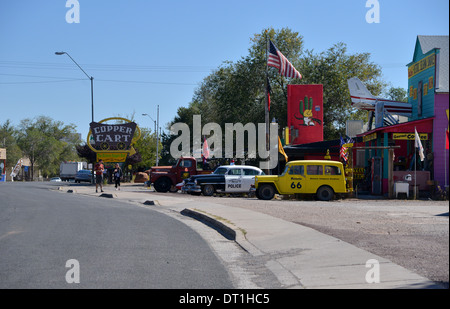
{"x":90,"y":77}
{"x":157,"y":134}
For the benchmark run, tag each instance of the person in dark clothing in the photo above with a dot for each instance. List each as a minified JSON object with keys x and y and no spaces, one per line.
{"x":117,"y":174}
{"x":99,"y":169}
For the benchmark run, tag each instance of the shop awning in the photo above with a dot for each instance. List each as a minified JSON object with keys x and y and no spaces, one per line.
{"x":421,"y":125}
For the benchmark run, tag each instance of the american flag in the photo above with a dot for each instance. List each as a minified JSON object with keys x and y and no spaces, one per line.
{"x":279,"y":61}
{"x":343,"y":152}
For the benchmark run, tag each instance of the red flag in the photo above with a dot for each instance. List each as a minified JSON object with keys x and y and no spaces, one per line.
{"x":205,"y":149}
{"x":269,"y":89}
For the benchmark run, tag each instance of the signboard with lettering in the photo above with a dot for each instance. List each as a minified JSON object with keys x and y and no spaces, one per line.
{"x":112,"y":137}
{"x":113,"y":142}
{"x":370,"y":137}
{"x":421,"y":65}
{"x":409,"y":136}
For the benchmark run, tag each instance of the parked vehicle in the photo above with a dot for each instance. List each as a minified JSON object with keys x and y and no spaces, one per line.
{"x":55,"y":179}
{"x":84,"y":175}
{"x":225,"y":179}
{"x":165,"y":178}
{"x":322,"y":178}
{"x":68,"y":170}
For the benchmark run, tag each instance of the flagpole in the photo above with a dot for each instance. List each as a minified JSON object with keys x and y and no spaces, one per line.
{"x":415,"y":162}
{"x":266,"y":108}
{"x":445,"y":159}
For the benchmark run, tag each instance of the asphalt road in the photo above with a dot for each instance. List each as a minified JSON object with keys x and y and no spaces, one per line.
{"x":48,"y":239}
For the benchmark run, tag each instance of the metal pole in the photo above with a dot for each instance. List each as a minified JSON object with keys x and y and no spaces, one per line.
{"x":445,"y":160}
{"x":266,"y":108}
{"x":415,"y":164}
{"x":157,"y":138}
{"x":92,"y":98}
{"x":90,"y":77}
{"x":156,"y":132}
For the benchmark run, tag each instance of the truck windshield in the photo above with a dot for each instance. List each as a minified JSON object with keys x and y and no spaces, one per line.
{"x":285,"y":170}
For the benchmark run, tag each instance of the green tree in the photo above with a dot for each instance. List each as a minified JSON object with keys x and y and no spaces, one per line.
{"x":235,"y":92}
{"x":47,"y":143}
{"x":146,"y":146}
{"x":333,"y":68}
{"x":397,"y":94}
{"x":8,"y":141}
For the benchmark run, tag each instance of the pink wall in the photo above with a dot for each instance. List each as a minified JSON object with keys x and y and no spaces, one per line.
{"x":440,"y":125}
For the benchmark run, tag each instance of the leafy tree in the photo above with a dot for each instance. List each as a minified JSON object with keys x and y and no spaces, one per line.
{"x":235,"y":92}
{"x":8,"y":141}
{"x":397,"y":94}
{"x":47,"y":143}
{"x":146,"y":147}
{"x":333,"y":68}
{"x":86,"y":153}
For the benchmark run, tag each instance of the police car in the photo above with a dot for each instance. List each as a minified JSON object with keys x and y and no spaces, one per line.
{"x":225,"y":179}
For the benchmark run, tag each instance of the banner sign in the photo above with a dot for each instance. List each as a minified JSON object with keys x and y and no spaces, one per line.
{"x":305,"y":113}
{"x":409,"y":136}
{"x":17,"y":168}
{"x":2,"y":153}
{"x":370,"y":137}
{"x":421,"y":65}
{"x":116,"y":137}
{"x":112,"y":157}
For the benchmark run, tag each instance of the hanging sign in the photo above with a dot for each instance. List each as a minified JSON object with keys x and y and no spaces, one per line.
{"x":113,"y":142}
{"x":409,"y":136}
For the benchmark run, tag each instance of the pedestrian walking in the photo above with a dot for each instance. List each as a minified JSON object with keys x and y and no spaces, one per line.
{"x":98,"y":169}
{"x":117,"y":176}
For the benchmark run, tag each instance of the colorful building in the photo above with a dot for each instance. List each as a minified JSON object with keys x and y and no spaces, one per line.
{"x":428,"y":87}
{"x":428,"y":90}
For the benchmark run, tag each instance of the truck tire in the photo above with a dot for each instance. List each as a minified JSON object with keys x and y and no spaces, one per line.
{"x":325,"y":193}
{"x":208,"y":190}
{"x":265,"y":192}
{"x":162,"y":184}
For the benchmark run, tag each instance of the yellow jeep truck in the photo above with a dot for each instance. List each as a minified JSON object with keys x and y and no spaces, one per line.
{"x":323,"y":178}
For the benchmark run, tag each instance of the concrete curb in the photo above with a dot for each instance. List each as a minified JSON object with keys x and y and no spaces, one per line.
{"x":223,"y":229}
{"x":228,"y":230}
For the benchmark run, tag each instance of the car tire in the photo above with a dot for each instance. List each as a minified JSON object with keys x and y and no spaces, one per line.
{"x":265,"y":192}
{"x":208,"y":190}
{"x":325,"y":193}
{"x":162,"y":185}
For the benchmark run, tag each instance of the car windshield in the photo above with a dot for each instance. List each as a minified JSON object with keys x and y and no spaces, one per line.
{"x":285,"y":170}
{"x":220,"y":171}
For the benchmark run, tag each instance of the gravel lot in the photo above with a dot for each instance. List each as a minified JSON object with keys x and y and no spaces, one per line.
{"x":413,"y":234}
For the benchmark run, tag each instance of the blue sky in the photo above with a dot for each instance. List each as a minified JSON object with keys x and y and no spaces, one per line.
{"x":142,"y":53}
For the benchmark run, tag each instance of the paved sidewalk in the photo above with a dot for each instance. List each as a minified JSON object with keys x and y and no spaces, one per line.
{"x":298,"y":256}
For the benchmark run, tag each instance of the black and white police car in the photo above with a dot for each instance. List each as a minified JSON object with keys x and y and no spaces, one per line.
{"x":225,"y":179}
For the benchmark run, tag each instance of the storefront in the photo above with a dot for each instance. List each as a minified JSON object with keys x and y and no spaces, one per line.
{"x":428,"y":94}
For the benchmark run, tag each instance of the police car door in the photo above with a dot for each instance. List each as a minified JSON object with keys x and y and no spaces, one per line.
{"x":248,"y":178}
{"x":233,"y":180}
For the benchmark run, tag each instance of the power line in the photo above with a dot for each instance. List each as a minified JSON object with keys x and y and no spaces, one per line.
{"x":41,"y":82}
{"x":100,"y":67}
{"x":66,"y":79}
